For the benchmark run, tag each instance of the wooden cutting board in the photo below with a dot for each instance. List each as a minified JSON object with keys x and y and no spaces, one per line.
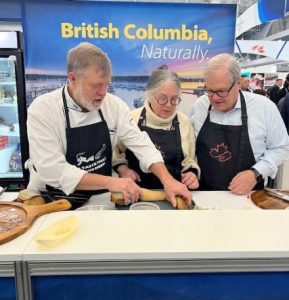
{"x":16,"y":218}
{"x":267,"y":201}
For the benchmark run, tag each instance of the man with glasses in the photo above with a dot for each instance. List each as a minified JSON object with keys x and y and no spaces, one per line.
{"x":72,"y":132}
{"x":241,"y":139}
{"x":171,"y":132}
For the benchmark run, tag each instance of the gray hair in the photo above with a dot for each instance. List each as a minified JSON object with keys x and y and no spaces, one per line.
{"x":87,"y":54}
{"x":159,"y":76}
{"x":222,"y":61}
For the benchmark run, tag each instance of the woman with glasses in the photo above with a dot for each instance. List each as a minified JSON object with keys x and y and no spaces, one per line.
{"x":241,"y":138}
{"x":170,"y":131}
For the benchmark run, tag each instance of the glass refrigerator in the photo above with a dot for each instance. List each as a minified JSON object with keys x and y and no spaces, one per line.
{"x":13,"y":134}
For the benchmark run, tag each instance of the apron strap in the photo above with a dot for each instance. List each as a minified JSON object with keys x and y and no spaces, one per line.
{"x":176,"y":124}
{"x":65,"y":108}
{"x":244,"y":133}
{"x":101,"y":115}
{"x":142,"y":118}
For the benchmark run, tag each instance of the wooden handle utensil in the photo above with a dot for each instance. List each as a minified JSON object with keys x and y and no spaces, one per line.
{"x":16,"y":218}
{"x":266,"y":200}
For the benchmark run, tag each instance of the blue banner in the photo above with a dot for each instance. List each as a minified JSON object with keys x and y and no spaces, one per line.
{"x":260,"y":12}
{"x":287,"y":7}
{"x":138,"y":38}
{"x":270,"y":10}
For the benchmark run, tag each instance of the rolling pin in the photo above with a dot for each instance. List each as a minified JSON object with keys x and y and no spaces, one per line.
{"x":149,"y":195}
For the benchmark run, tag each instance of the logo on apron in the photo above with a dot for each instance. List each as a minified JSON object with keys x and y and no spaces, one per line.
{"x":92,"y":162}
{"x":221,"y":153}
{"x":158,"y":147}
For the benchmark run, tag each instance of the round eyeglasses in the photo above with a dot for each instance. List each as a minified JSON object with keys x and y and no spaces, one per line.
{"x":162,"y":100}
{"x":210,"y":93}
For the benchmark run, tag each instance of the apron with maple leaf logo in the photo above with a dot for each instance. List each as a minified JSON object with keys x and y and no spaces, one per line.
{"x":223,"y":151}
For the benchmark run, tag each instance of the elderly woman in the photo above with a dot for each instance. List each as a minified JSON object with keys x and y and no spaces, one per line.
{"x":170,"y":130}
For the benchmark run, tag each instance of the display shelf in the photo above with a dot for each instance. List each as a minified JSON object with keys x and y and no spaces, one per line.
{"x":7,"y":104}
{"x":11,"y":175}
{"x":9,"y":133}
{"x":12,"y":82}
{"x":13,"y":111}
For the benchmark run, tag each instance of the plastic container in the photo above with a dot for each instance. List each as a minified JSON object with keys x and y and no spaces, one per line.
{"x":144,"y":206}
{"x":5,"y":155}
{"x":96,"y":207}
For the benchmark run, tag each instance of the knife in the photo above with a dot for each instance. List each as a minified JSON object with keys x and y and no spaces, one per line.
{"x":277,"y":194}
{"x":2,"y":190}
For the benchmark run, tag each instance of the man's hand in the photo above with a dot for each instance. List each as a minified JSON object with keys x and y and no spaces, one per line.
{"x":175,"y":188}
{"x":243,"y":182}
{"x":125,"y":172}
{"x":172,"y":187}
{"x":126,"y":186}
{"x":190,"y":180}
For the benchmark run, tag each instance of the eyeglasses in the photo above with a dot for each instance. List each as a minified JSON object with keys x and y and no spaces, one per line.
{"x":162,"y":100}
{"x":210,"y":93}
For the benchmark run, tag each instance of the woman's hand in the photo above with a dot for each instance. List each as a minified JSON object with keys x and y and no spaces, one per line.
{"x":125,"y":172}
{"x":190,"y":180}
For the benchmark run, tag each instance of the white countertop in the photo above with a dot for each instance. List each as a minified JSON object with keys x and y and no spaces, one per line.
{"x":223,"y":200}
{"x":168,"y":234}
{"x":205,"y":200}
{"x":242,"y":231}
{"x":227,"y":227}
{"x":13,"y":250}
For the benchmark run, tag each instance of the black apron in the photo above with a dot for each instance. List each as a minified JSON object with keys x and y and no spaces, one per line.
{"x":223,"y":151}
{"x":88,"y":148}
{"x":168,"y":142}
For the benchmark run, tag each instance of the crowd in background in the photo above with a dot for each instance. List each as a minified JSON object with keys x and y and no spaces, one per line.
{"x":278,"y":93}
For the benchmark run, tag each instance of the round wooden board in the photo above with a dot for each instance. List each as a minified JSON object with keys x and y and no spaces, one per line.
{"x":264,"y":200}
{"x":23,"y":216}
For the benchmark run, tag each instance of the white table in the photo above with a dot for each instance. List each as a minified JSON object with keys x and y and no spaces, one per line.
{"x":229,"y":237}
{"x":241,"y":238}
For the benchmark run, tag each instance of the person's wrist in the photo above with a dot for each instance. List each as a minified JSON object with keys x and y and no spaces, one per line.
{"x":167,"y":180}
{"x":122,"y":168}
{"x":257,"y":174}
{"x":115,"y":167}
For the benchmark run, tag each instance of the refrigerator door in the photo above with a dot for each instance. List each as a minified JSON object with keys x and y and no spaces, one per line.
{"x":13,"y":137}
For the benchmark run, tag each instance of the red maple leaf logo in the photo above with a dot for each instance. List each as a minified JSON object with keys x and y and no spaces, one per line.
{"x":221,"y":153}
